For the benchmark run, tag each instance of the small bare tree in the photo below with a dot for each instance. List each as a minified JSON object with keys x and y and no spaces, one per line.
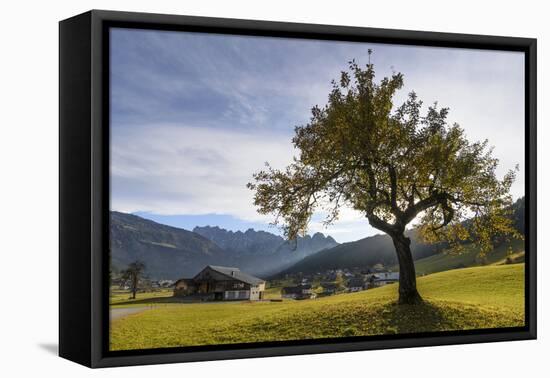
{"x":132,"y":276}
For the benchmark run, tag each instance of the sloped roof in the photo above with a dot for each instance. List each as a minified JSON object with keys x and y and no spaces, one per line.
{"x":236,"y":274}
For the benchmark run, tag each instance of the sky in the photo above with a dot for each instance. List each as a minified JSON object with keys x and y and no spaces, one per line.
{"x":194,"y":115}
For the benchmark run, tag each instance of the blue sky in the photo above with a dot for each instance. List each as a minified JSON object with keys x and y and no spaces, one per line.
{"x":194,"y":115}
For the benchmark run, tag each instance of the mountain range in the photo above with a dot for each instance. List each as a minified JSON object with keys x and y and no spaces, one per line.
{"x":263,"y":252}
{"x":171,"y":253}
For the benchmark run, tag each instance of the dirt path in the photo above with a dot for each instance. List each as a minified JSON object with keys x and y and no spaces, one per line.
{"x":117,"y":313}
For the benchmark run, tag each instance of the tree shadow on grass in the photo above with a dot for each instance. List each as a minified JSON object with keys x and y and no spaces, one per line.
{"x":424,"y":317}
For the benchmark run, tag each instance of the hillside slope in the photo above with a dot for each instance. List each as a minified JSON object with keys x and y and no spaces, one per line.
{"x":167,"y":252}
{"x":467,"y":258}
{"x":379,"y":249}
{"x":363,"y":253}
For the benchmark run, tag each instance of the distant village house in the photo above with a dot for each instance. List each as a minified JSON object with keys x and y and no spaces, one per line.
{"x":302,"y":291}
{"x":221,"y":283}
{"x":384,"y":278}
{"x":356,"y":284}
{"x":329,"y":288}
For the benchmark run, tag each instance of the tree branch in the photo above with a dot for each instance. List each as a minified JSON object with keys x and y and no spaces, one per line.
{"x":412,"y":211}
{"x":393,"y":192}
{"x":448,"y":214}
{"x":393,"y":187}
{"x":378,"y":223}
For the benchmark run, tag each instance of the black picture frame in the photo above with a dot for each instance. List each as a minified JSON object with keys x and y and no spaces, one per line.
{"x":84,"y":186}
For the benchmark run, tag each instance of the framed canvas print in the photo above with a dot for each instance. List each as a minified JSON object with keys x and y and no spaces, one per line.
{"x":233,"y":188}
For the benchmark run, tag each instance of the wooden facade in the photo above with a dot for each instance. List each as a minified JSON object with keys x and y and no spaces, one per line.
{"x":221,"y":284}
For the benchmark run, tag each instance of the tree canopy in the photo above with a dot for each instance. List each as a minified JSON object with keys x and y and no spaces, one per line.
{"x":394,"y":164}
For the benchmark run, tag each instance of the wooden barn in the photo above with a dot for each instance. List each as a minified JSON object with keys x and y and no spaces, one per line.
{"x":221,"y":283}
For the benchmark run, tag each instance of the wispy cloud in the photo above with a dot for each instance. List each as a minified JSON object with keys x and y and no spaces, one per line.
{"x":170,"y":170}
{"x":194,"y":115}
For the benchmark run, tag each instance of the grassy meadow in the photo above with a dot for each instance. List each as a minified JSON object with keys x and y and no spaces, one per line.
{"x":489,"y":296}
{"x":123,"y":297}
{"x":468,"y":257}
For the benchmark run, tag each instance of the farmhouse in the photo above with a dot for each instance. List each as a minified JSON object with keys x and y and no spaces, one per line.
{"x":221,"y":283}
{"x":303,"y":291}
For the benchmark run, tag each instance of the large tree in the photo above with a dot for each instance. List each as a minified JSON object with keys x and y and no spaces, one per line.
{"x":392,"y":164}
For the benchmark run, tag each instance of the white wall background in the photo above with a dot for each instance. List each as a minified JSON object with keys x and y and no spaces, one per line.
{"x":29,"y":189}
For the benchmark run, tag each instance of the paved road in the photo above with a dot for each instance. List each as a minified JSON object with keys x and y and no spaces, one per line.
{"x":117,"y":313}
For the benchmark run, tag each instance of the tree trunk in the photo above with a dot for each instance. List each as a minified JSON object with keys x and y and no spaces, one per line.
{"x":134,"y":286}
{"x":407,"y":274}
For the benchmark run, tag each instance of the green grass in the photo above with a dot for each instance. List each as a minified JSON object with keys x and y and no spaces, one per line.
{"x":471,"y":298}
{"x":469,"y":257}
{"x":123,"y":297}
